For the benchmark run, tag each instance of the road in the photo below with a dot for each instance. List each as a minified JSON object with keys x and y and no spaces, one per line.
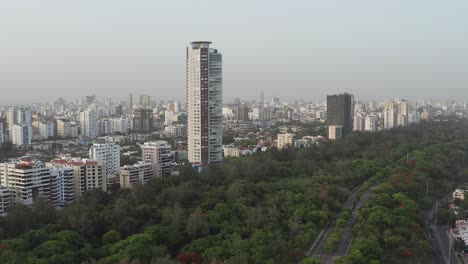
{"x":440,"y":234}
{"x":317,"y":249}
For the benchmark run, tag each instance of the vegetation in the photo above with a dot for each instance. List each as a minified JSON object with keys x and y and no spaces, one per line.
{"x":266,"y":208}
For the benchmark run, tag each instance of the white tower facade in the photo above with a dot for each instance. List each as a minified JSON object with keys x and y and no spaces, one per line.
{"x":204,"y":103}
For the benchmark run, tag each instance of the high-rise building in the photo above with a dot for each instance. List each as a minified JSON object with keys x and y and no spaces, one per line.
{"x":370,"y":123}
{"x":88,"y":175}
{"x":359,"y":122}
{"x":19,"y":126}
{"x":285,"y":140}
{"x":61,"y":185}
{"x":64,"y":128}
{"x":157,"y":153}
{"x":130,"y":102}
{"x":402,"y":113}
{"x":340,"y":112}
{"x":204,"y":103}
{"x":46,"y":130}
{"x":27,"y":180}
{"x":119,"y":110}
{"x":88,"y":122}
{"x":145,"y":100}
{"x":1,"y":134}
{"x":120,"y":125}
{"x":262,"y":99}
{"x":110,"y":154}
{"x":20,"y":135}
{"x":143,"y":120}
{"x":390,"y":115}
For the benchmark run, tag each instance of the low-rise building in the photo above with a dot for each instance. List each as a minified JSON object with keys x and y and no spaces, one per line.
{"x":335,"y":132}
{"x":285,"y":140}
{"x":459,"y":194}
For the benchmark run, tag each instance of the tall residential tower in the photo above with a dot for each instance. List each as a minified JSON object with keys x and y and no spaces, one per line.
{"x":204,"y":103}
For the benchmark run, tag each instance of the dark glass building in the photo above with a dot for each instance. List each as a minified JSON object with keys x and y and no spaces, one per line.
{"x":340,"y":112}
{"x":143,"y":120}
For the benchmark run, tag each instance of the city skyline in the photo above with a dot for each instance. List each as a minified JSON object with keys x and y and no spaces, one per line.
{"x":306,"y":50}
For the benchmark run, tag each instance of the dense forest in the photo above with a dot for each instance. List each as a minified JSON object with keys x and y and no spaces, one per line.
{"x":265,"y":208}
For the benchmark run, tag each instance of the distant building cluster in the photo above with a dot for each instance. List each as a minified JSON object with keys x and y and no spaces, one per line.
{"x":61,"y":180}
{"x":105,"y":143}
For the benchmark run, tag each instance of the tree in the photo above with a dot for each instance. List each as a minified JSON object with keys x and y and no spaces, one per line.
{"x":197,"y":224}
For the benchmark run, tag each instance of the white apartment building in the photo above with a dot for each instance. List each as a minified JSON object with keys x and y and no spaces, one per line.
{"x":120,"y":125}
{"x":46,"y":130}
{"x":285,"y":140}
{"x":21,"y":135}
{"x":390,"y":115}
{"x":139,"y":173}
{"x":88,"y":122}
{"x":204,"y":103}
{"x":157,"y":153}
{"x":178,"y":130}
{"x":18,"y":116}
{"x":359,"y":122}
{"x":87,"y":175}
{"x":370,"y":123}
{"x":109,"y":153}
{"x":26,"y":180}
{"x":62,"y":190}
{"x":19,"y":126}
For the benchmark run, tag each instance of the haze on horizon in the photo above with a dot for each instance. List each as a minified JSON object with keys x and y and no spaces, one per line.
{"x":292,"y":50}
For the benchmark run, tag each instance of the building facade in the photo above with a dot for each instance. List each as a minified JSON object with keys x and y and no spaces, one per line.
{"x":139,"y":173}
{"x":26,"y":180}
{"x":110,"y":154}
{"x":143,"y":120}
{"x":157,"y":153}
{"x":285,"y":140}
{"x":204,"y":103}
{"x":19,"y":126}
{"x":340,"y":112}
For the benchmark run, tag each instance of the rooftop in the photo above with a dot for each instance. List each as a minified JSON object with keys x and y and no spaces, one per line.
{"x":200,"y":44}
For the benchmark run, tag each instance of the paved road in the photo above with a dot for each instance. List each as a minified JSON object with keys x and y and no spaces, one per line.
{"x":440,"y":234}
{"x":326,"y":231}
{"x":347,"y":238}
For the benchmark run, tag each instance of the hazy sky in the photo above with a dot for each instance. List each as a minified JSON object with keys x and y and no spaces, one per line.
{"x":290,"y":49}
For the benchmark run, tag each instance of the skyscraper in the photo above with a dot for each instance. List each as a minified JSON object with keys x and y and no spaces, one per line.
{"x":340,"y":112}
{"x":1,"y":133}
{"x":130,"y":102}
{"x":204,"y":103}
{"x":143,"y":120}
{"x":145,"y":100}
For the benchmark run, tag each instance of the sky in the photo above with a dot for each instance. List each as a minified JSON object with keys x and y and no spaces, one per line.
{"x":294,"y":49}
